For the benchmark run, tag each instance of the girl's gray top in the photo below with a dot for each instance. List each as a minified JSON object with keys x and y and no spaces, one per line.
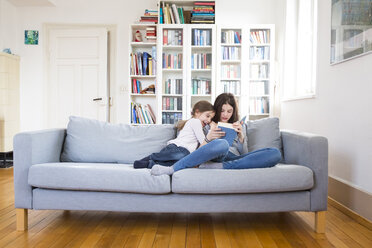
{"x":237,"y":148}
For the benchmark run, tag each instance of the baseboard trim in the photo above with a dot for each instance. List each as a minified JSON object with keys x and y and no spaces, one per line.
{"x":351,"y":201}
{"x":360,"y":219}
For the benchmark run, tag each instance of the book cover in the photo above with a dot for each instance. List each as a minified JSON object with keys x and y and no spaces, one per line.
{"x":230,"y":133}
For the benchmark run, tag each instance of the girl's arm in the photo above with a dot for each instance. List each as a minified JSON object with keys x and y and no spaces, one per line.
{"x":214,"y":133}
{"x":241,"y":140}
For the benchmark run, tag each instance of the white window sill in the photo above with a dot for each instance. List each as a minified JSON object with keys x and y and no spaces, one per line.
{"x":295,"y":98}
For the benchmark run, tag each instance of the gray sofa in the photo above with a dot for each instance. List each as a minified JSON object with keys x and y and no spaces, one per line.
{"x":88,"y":166}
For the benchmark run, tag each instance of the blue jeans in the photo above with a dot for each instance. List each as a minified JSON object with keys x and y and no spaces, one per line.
{"x":262,"y":158}
{"x":168,"y":155}
{"x":218,"y":151}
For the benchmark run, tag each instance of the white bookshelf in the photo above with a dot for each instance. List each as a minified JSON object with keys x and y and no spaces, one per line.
{"x":231,"y":45}
{"x":145,"y":78}
{"x":168,"y":35}
{"x":250,"y":87}
{"x":261,"y":55}
{"x":201,"y":46}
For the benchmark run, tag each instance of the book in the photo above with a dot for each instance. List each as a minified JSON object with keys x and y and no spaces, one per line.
{"x":230,"y":133}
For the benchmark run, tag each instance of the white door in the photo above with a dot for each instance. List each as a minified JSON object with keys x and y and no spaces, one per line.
{"x":77,"y":82}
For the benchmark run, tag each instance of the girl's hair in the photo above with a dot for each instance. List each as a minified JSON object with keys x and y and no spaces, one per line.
{"x":225,"y":98}
{"x":201,"y":106}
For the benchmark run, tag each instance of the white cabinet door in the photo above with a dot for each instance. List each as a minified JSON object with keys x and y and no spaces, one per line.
{"x":77,"y":82}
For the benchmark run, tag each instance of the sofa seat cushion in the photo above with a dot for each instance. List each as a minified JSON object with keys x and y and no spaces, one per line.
{"x":280,"y":178}
{"x":97,"y":177}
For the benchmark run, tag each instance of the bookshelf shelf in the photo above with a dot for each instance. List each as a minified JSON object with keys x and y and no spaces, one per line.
{"x":258,"y":61}
{"x":230,"y":45}
{"x":169,"y":47}
{"x":143,"y":76}
{"x":231,"y":61}
{"x":260,"y":44}
{"x":201,"y":95}
{"x":172,"y":70}
{"x":201,"y":47}
{"x":230,"y":79}
{"x":172,"y":111}
{"x":143,"y":44}
{"x":201,"y":70}
{"x":143,"y":95}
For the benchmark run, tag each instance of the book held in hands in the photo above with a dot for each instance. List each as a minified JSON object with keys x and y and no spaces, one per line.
{"x":230,"y":133}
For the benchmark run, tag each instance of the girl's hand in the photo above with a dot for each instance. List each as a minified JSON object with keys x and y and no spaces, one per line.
{"x":214,"y":132}
{"x":238,"y":128}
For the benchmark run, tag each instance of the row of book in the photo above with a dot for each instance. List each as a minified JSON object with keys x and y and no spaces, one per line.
{"x":172,"y":103}
{"x":230,"y":71}
{"x":201,"y":61}
{"x":231,"y":87}
{"x":142,"y":63}
{"x":203,"y":12}
{"x":231,"y":37}
{"x":259,"y":71}
{"x":173,"y":86}
{"x":200,"y":86}
{"x":172,"y":61}
{"x":230,"y":53}
{"x":150,"y":16}
{"x":137,"y":87}
{"x":172,"y":14}
{"x":142,"y":114}
{"x":259,"y":88}
{"x":260,"y":36}
{"x":259,"y":105}
{"x":172,"y":37}
{"x":201,"y":37}
{"x":259,"y":52}
{"x":151,"y":34}
{"x":171,"y":118}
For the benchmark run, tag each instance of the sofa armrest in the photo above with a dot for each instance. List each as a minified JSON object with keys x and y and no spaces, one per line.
{"x":33,"y":148}
{"x":311,"y":151}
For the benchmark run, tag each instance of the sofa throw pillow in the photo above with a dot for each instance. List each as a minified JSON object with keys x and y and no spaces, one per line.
{"x":264,"y":133}
{"x":95,"y":141}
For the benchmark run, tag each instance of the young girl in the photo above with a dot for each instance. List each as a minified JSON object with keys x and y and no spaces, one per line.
{"x":188,"y":139}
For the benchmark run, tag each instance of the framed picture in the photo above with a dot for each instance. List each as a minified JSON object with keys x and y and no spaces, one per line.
{"x":351,"y":34}
{"x":31,"y":37}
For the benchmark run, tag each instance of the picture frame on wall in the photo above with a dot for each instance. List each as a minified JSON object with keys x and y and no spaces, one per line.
{"x":31,"y":37}
{"x":351,"y":29}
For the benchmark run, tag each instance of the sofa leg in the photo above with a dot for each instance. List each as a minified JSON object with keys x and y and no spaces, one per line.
{"x":320,"y":221}
{"x":22,"y":219}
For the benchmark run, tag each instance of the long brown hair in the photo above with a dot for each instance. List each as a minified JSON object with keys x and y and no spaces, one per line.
{"x":225,"y":98}
{"x":201,"y":106}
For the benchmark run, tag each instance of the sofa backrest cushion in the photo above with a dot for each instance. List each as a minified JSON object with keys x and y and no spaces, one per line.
{"x":95,"y":141}
{"x":264,"y":133}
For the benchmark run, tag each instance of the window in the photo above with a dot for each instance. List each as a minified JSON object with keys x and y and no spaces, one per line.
{"x":300,"y":50}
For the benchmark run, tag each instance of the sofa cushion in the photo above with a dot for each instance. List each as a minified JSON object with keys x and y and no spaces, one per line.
{"x":97,"y":177}
{"x":280,"y":178}
{"x":95,"y":141}
{"x":264,"y":133}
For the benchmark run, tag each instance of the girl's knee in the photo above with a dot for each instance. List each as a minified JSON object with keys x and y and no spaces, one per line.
{"x":221,"y":145}
{"x":276,"y":155}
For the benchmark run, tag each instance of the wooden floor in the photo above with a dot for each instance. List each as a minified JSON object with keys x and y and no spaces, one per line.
{"x":115,"y":229}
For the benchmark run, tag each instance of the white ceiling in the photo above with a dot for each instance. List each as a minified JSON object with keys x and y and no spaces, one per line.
{"x":28,"y":3}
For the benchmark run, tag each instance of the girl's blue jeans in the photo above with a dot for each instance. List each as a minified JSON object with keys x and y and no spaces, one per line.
{"x":218,"y":151}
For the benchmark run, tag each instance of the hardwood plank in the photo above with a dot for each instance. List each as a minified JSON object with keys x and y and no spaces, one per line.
{"x":149,"y":233}
{"x":233,"y":230}
{"x":125,"y":231}
{"x":162,"y":237}
{"x":136,"y":235}
{"x":193,"y":231}
{"x":221,"y":235}
{"x":260,"y":230}
{"x":178,"y":236}
{"x":206,"y":232}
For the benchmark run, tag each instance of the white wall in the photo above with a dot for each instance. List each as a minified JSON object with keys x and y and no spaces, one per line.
{"x":121,"y":13}
{"x":117,"y":12}
{"x":8,"y":25}
{"x":341,"y":110}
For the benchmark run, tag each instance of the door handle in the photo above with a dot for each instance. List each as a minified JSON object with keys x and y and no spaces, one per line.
{"x":97,"y":99}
